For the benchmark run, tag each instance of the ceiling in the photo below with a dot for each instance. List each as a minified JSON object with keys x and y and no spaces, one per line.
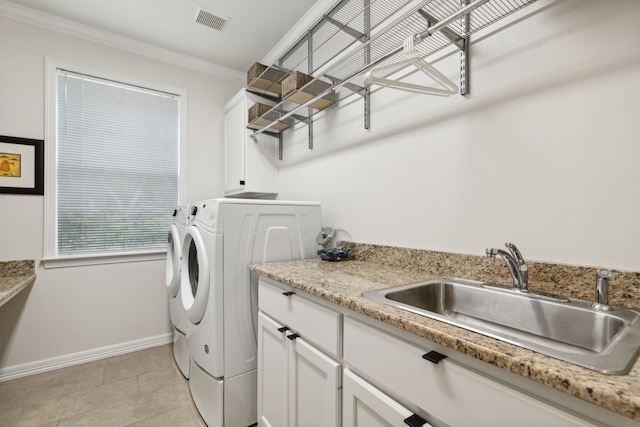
{"x":255,"y":26}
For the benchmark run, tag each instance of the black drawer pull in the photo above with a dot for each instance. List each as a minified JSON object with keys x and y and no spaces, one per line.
{"x":434,"y":356}
{"x":293,"y":336}
{"x":415,"y":421}
{"x":289,"y":293}
{"x":283,"y":329}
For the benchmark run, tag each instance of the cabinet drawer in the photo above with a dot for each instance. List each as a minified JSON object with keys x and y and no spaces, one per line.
{"x":446,"y":390}
{"x":313,"y":322}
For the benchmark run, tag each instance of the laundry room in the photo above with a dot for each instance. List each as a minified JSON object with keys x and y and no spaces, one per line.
{"x":407,"y":139}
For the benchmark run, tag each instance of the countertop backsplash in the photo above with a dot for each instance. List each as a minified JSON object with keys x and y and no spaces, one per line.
{"x":557,"y":279}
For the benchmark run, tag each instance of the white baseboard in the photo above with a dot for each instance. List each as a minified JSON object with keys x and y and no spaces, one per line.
{"x":58,"y":362}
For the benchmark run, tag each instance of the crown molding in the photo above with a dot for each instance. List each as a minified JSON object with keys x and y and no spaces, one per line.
{"x":55,"y":23}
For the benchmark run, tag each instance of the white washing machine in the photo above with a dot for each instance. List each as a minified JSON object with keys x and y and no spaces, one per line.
{"x":220,"y":293}
{"x":177,"y":312}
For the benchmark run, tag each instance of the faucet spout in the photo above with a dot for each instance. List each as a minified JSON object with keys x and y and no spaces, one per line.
{"x":516,"y":264}
{"x":602,"y":291}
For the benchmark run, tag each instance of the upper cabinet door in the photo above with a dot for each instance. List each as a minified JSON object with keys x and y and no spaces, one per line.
{"x":234,"y":141}
{"x":250,"y":167}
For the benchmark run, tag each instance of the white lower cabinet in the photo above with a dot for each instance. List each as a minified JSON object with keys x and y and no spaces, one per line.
{"x":298,"y":384}
{"x":320,"y":366}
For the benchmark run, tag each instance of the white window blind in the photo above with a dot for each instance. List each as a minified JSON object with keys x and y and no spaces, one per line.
{"x":117,"y":165}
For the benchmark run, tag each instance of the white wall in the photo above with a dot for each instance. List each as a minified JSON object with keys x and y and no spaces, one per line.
{"x":77,"y":311}
{"x":544,"y":152}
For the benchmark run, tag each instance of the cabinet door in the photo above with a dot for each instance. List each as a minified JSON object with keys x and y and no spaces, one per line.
{"x":363,"y":405}
{"x":273,"y":408}
{"x":234,"y":144}
{"x":314,"y":387}
{"x":260,"y":163}
{"x":250,"y":167}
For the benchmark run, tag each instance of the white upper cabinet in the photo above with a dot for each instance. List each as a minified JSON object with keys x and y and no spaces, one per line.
{"x":250,"y":167}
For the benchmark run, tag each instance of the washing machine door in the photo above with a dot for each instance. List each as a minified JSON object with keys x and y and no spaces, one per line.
{"x":194,"y":286}
{"x":174,"y":252}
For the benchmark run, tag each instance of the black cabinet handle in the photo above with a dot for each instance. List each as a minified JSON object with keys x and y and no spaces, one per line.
{"x":288,"y":293}
{"x":415,"y":421}
{"x":283,"y":329}
{"x":293,"y":336}
{"x":434,"y":356}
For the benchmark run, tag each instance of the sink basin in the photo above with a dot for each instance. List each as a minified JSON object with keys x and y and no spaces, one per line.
{"x":564,"y":328}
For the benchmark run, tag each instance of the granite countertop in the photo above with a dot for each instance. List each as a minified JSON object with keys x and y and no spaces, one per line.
{"x":14,"y":277}
{"x":342,"y":283}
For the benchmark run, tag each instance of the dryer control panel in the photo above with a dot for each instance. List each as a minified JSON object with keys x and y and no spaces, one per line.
{"x":207,"y":213}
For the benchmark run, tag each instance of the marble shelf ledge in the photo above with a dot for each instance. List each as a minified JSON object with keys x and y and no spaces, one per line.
{"x":14,"y":277}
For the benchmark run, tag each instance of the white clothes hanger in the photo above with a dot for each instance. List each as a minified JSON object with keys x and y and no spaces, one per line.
{"x":446,"y":86}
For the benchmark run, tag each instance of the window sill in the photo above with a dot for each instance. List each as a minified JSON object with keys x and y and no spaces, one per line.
{"x":116,"y":258}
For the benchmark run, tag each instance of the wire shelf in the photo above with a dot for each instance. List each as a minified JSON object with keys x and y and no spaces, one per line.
{"x":357,"y":35}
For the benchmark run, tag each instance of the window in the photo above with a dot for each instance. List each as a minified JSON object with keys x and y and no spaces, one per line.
{"x":115,"y":167}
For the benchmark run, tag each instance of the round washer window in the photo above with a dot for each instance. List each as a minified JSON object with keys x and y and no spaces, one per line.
{"x":194,"y":270}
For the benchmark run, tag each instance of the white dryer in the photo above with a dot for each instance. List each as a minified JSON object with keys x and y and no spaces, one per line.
{"x":220,"y":293}
{"x":177,"y":312}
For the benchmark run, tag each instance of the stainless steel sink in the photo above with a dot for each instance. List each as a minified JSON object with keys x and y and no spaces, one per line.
{"x":564,"y":328}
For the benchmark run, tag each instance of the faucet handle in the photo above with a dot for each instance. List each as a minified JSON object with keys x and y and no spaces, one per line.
{"x":515,"y":253}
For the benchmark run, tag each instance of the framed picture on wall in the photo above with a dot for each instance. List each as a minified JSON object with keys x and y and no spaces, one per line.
{"x":21,"y":165}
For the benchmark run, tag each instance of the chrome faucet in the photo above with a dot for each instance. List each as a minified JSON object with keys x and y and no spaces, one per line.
{"x":602,"y":291}
{"x":517,"y":267}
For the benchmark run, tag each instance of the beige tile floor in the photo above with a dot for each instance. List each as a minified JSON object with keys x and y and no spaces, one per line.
{"x":140,"y":389}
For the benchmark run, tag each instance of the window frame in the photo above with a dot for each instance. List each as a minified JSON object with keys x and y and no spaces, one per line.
{"x":51,"y":259}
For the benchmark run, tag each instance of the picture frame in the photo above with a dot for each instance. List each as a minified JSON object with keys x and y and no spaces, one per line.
{"x":21,"y":165}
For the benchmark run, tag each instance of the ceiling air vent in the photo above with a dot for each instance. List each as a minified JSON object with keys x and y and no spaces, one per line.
{"x":211,"y":20}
